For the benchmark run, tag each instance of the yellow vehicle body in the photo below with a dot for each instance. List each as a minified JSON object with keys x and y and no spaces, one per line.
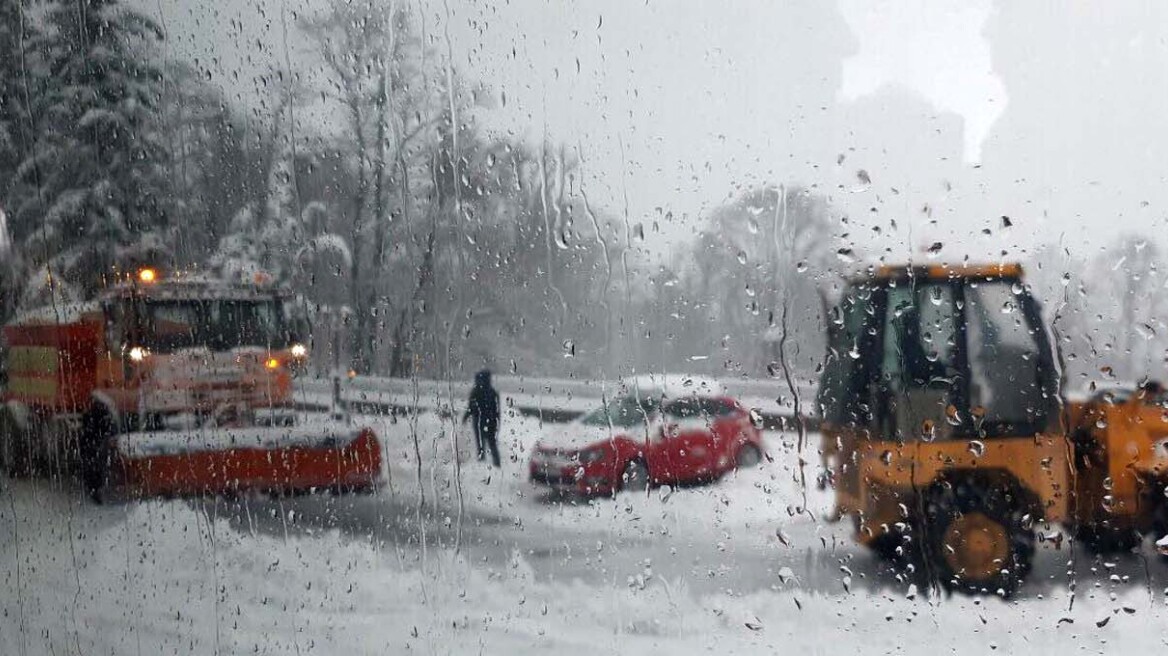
{"x":1121,"y":461}
{"x":888,"y":476}
{"x":944,"y":431}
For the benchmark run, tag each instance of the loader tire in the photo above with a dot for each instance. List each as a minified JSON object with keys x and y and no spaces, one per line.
{"x":15,"y":445}
{"x":975,"y":540}
{"x":96,"y":451}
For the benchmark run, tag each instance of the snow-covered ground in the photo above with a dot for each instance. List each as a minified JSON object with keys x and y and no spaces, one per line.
{"x":734,"y":567}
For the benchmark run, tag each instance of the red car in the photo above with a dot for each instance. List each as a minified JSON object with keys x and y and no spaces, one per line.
{"x":633,"y":442}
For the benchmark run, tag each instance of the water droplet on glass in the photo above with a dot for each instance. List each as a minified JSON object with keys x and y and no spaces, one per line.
{"x":742,"y":257}
{"x":756,"y":418}
{"x":952,"y":415}
{"x":752,"y":226}
{"x":977,"y":448}
{"x":864,"y":180}
{"x":935,"y":249}
{"x":928,"y":430}
{"x":1108,"y":503}
{"x":569,"y":348}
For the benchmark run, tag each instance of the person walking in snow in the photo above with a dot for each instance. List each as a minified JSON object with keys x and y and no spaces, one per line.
{"x":483,"y":406}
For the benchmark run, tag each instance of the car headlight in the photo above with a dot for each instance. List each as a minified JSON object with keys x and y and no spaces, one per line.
{"x":139,"y":353}
{"x":589,"y":456}
{"x":298,"y":351}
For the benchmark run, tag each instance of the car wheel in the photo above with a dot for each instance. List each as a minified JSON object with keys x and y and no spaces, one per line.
{"x":748,"y":456}
{"x":975,"y":538}
{"x":635,"y":477}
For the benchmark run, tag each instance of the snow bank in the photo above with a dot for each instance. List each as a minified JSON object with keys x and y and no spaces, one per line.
{"x":178,"y":577}
{"x":173,"y":578}
{"x":315,"y":433}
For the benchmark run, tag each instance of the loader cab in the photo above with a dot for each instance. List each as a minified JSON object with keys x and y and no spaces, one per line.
{"x":939,"y":353}
{"x":940,"y":416}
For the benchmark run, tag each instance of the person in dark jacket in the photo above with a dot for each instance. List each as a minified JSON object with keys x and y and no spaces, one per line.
{"x":483,"y":406}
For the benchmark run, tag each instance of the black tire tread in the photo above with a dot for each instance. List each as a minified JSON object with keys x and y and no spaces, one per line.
{"x":946,"y":502}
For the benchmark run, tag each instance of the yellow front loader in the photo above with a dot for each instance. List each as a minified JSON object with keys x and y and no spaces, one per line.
{"x":948,"y":439}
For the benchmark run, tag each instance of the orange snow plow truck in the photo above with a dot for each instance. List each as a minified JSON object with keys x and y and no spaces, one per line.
{"x":170,"y":387}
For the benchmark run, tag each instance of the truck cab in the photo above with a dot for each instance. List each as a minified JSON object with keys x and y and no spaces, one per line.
{"x":177,"y":385}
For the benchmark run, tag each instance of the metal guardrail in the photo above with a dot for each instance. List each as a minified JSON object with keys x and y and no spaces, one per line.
{"x":551,"y":399}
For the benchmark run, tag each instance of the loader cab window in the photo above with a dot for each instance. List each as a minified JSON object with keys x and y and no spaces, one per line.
{"x":1008,"y":361}
{"x":919,"y":384}
{"x":843,"y":386}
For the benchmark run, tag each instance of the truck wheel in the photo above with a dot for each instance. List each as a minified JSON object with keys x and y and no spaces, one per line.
{"x":15,"y":452}
{"x":95,"y":445}
{"x":975,"y":540}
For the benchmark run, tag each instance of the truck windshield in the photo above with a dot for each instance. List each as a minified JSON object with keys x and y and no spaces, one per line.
{"x":215,"y":324}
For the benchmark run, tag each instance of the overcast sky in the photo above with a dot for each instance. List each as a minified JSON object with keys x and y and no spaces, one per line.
{"x":970,"y":108}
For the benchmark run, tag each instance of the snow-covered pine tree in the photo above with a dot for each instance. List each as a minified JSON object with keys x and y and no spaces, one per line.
{"x":98,"y":164}
{"x":16,"y":33}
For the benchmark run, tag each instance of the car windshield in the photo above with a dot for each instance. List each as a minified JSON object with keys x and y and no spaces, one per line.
{"x":697,"y":408}
{"x":621,"y":412}
{"x":215,"y":324}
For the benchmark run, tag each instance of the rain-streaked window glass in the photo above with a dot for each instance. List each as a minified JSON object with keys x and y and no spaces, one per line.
{"x":451,"y":327}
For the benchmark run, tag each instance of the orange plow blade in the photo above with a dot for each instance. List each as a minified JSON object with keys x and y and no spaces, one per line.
{"x":268,"y":460}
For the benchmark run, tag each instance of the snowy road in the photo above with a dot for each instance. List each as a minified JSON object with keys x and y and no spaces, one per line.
{"x":735,"y":535}
{"x":675,"y":571}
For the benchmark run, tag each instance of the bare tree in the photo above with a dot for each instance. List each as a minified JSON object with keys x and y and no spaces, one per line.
{"x":1129,"y":298}
{"x":759,"y":257}
{"x":375,"y":63}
